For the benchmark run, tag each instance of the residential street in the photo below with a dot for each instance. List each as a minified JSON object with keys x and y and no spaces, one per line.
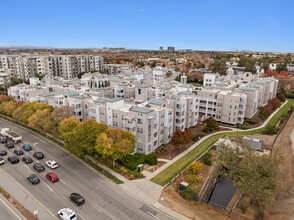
{"x":104,"y":200}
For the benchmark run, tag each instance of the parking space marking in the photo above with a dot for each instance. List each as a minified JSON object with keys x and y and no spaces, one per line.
{"x":10,"y":209}
{"x":29,"y":194}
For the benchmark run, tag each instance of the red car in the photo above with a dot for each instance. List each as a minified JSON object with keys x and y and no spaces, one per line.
{"x":52,"y":177}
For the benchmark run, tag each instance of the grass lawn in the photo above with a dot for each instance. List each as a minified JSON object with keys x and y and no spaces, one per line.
{"x":169,"y":173}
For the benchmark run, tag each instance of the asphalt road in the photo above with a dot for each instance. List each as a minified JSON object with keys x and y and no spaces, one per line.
{"x":8,"y":211}
{"x":103,"y":199}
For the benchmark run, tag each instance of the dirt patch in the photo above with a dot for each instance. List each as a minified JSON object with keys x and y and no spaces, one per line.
{"x":284,"y":174}
{"x":153,"y":168}
{"x":26,"y":213}
{"x":268,"y":140}
{"x":173,"y":150}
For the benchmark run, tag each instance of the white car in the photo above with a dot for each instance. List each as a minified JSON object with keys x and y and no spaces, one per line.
{"x":2,"y":161}
{"x":52,"y":164}
{"x":67,"y":214}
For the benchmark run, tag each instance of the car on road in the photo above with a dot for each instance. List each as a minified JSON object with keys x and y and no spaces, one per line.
{"x":52,"y":164}
{"x":9,"y":145}
{"x":27,"y":147}
{"x":67,"y":214}
{"x":77,"y":198}
{"x":3,"y":152}
{"x":39,"y":155}
{"x":3,"y":140}
{"x":13,"y":159}
{"x":33,"y":178}
{"x":27,"y":159}
{"x":18,"y":152}
{"x":39,"y":167}
{"x":2,"y":161}
{"x":52,"y":177}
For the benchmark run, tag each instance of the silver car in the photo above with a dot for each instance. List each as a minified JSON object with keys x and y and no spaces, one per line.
{"x":2,"y":161}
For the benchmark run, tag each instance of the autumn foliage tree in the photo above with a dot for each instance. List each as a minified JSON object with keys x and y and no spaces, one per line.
{"x":5,"y":98}
{"x":195,"y":167}
{"x":275,"y":103}
{"x":182,"y":137}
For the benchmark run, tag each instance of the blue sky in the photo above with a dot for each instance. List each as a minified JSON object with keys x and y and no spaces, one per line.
{"x":262,"y":25}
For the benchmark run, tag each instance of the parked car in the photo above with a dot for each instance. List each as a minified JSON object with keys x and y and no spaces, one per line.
{"x":52,"y":164}
{"x":77,"y":198}
{"x":67,"y":214}
{"x":27,"y":147}
{"x":13,"y":159}
{"x":52,"y":177}
{"x":27,"y":159}
{"x":3,"y":152}
{"x":3,"y":140}
{"x":9,"y":145}
{"x":2,"y":161}
{"x":33,"y":178}
{"x":39,"y":155}
{"x":18,"y":152}
{"x":39,"y":167}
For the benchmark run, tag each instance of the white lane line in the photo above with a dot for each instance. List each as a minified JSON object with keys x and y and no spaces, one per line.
{"x":10,"y":209}
{"x":62,"y":182}
{"x":38,"y":138}
{"x":95,"y":207}
{"x":50,"y":188}
{"x":27,"y":166}
{"x":81,"y":216}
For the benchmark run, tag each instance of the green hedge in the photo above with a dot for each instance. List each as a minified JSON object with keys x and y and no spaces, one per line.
{"x":132,"y":161}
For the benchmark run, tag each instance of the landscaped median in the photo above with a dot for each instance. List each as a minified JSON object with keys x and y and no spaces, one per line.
{"x":173,"y":170}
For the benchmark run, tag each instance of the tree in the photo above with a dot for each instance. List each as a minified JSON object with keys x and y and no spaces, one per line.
{"x":14,"y":81}
{"x":282,"y":66}
{"x":169,"y":74}
{"x":218,"y":66}
{"x":10,"y":107}
{"x":210,"y":124}
{"x":270,"y":129}
{"x":63,"y":112}
{"x":250,"y":173}
{"x":275,"y":103}
{"x":250,"y":67}
{"x":177,"y":69}
{"x":265,"y":111}
{"x":195,"y":167}
{"x":5,"y":98}
{"x":182,"y":137}
{"x":281,"y":97}
{"x":153,"y":65}
{"x":115,"y":143}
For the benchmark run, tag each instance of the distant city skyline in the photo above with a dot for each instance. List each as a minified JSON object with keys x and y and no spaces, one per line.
{"x":199,"y":25}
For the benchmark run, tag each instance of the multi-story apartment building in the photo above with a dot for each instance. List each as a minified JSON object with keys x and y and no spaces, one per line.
{"x":150,"y":105}
{"x":67,"y":66}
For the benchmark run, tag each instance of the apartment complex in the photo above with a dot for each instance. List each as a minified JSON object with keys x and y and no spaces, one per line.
{"x":149,"y":104}
{"x":67,"y":66}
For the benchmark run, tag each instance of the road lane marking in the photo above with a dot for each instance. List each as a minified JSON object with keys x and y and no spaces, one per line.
{"x":50,"y":188}
{"x":10,"y":209}
{"x":95,"y":207}
{"x":27,"y":166}
{"x":29,"y":194}
{"x":81,"y":216}
{"x":62,"y":182}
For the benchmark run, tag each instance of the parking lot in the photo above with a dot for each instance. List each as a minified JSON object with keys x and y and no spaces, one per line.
{"x":103,"y":200}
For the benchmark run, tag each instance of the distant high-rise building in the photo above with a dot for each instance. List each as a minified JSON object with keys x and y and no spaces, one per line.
{"x":161,"y":48}
{"x":171,"y":49}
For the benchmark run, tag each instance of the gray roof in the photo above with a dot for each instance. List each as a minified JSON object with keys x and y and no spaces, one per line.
{"x":70,"y":94}
{"x":114,"y":100}
{"x":186,"y":86}
{"x":156,"y":101}
{"x":47,"y":94}
{"x":143,"y":86}
{"x":100,"y":100}
{"x":186,"y":93}
{"x":254,"y":143}
{"x":141,"y":110}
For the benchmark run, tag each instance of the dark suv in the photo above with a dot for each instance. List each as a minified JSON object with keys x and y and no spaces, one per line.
{"x":3,"y":152}
{"x":39,"y":167}
{"x":13,"y":159}
{"x":9,"y":145}
{"x":18,"y":152}
{"x":33,"y":178}
{"x":39,"y":155}
{"x":3,"y":140}
{"x":77,"y":198}
{"x":27,"y":159}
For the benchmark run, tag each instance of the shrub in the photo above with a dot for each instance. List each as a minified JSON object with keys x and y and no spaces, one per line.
{"x":162,"y":149}
{"x":243,"y":126}
{"x":282,"y":97}
{"x":201,"y":135}
{"x":270,"y":129}
{"x":195,"y":167}
{"x":131,"y":161}
{"x":195,"y":138}
{"x":193,"y":178}
{"x":250,"y":121}
{"x":207,"y":159}
{"x":151,"y":159}
{"x":135,"y":174}
{"x":189,"y":194}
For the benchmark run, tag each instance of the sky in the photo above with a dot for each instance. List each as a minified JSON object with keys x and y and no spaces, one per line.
{"x":230,"y":25}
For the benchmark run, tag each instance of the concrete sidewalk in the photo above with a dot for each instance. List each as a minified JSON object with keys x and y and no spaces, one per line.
{"x":24,"y":197}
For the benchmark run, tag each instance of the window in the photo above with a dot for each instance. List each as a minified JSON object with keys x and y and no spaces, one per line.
{"x":155,"y":134}
{"x":140,"y":121}
{"x":139,"y":148}
{"x":115,"y":124}
{"x":139,"y":91}
{"x":149,"y":147}
{"x":140,"y":130}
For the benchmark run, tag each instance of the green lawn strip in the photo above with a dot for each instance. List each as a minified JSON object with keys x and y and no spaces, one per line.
{"x":104,"y":172}
{"x":170,"y":172}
